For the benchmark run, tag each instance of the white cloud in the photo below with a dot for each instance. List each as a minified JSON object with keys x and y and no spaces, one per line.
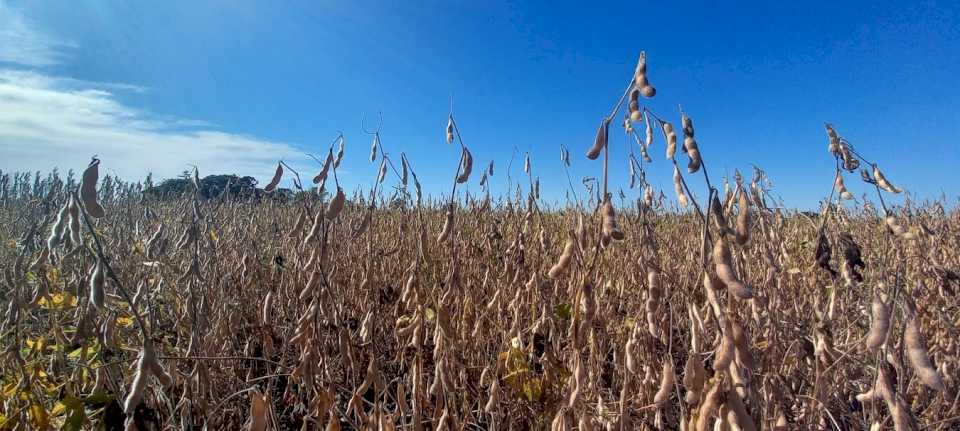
{"x":48,"y":122}
{"x":23,"y":43}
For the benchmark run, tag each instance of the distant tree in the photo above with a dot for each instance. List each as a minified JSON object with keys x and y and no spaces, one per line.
{"x":214,"y":186}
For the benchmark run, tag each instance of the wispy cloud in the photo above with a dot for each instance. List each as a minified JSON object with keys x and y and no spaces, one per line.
{"x":22,"y":43}
{"x":49,"y":121}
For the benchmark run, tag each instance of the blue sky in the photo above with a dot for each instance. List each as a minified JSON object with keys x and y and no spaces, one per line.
{"x":235,"y":85}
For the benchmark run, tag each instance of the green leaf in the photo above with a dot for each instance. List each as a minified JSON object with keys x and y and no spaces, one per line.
{"x":563,"y":310}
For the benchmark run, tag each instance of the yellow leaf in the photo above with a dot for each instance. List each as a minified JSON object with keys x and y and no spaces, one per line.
{"x":53,"y":275}
{"x":58,"y":409}
{"x":124,"y":321}
{"x":533,"y":389}
{"x":213,"y":235}
{"x":10,"y":389}
{"x":58,"y":301}
{"x":38,"y":417}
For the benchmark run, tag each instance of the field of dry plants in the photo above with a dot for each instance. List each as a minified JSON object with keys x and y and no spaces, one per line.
{"x":684,"y":309}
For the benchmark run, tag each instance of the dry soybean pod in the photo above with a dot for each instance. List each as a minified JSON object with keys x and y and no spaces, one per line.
{"x":690,"y":144}
{"x":600,"y":141}
{"x":277,"y":175}
{"x":880,"y":322}
{"x":450,"y":129}
{"x":74,"y":221}
{"x":336,"y":204}
{"x":610,"y":228}
{"x":724,"y":266}
{"x":447,"y":226}
{"x":667,"y":381}
{"x":678,"y":187}
{"x":708,"y":408}
{"x":322,"y":176}
{"x":59,"y":227}
{"x":97,"y":280}
{"x":743,"y":220}
{"x":466,"y":166}
{"x":694,"y":376}
{"x":671,"y":137}
{"x":883,"y":183}
{"x":565,"y":257}
{"x":919,"y":357}
{"x":139,"y":384}
{"x":88,"y":190}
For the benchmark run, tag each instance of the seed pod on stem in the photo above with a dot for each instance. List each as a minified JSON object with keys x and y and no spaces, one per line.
{"x":298,"y":225}
{"x":139,"y":384}
{"x":610,"y":228}
{"x":640,"y":77}
{"x":652,"y":304}
{"x":711,"y":402}
{"x":336,"y":204}
{"x":315,"y":228}
{"x":690,"y":144}
{"x":158,"y":371}
{"x":339,"y":158}
{"x":450,"y":129}
{"x":723,"y":263}
{"x":447,"y":226}
{"x":59,"y":227}
{"x":275,"y":180}
{"x":466,"y":166}
{"x":634,"y":105}
{"x":919,"y":357}
{"x":687,"y":124}
{"x":694,"y":376}
{"x":97,"y":281}
{"x":667,"y":381}
{"x":726,"y":352}
{"x":742,"y":352}
{"x":678,"y":187}
{"x":73,"y":210}
{"x":648,"y":131}
{"x":880,"y":322}
{"x":563,"y":262}
{"x":882,"y":181}
{"x":88,"y":190}
{"x":671,"y":137}
{"x":834,"y":146}
{"x":600,"y":141}
{"x":743,"y":220}
{"x":842,"y":188}
{"x":382,"y":173}
{"x":322,"y":176}
{"x":494,"y":400}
